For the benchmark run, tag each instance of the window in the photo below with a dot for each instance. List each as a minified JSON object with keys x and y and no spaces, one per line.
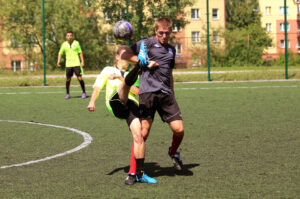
{"x":195,"y":14}
{"x":282,"y":10}
{"x":195,"y":37}
{"x":268,"y":10}
{"x":282,"y":27}
{"x":107,"y":16}
{"x":215,"y":14}
{"x":178,"y":48}
{"x":298,"y":9}
{"x":271,"y":45}
{"x":269,"y":27}
{"x":16,"y":65}
{"x":109,"y":39}
{"x":282,"y":44}
{"x":14,"y":43}
{"x":216,"y":38}
{"x":176,"y":29}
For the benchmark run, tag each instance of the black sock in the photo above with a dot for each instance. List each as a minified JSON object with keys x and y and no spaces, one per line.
{"x":68,"y":86}
{"x":140,"y":167}
{"x":132,"y":75}
{"x":82,"y":85}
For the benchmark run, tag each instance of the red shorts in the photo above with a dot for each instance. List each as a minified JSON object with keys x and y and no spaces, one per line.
{"x":165,"y":104}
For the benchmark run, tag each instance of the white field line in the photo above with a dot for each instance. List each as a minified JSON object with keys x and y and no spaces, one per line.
{"x":207,"y":88}
{"x":240,"y":87}
{"x":87,"y":140}
{"x":174,"y":72}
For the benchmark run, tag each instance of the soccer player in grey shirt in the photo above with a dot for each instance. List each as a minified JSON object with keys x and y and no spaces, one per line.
{"x":156,"y":85}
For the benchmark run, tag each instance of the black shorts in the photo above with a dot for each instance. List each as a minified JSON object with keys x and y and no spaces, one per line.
{"x":165,"y":104}
{"x":128,"y":111}
{"x":71,"y":70}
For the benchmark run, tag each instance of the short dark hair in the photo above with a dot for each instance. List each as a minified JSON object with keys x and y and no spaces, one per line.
{"x":118,"y":52}
{"x":70,"y":31}
{"x":163,"y":22}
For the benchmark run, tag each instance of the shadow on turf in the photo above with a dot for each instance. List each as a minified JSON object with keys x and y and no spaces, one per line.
{"x":79,"y":96}
{"x":154,"y":170}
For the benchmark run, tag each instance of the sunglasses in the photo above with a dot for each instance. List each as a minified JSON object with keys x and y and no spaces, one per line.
{"x":161,"y":33}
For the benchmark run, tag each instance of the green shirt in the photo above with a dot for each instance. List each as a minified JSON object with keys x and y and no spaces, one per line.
{"x":71,"y":51}
{"x":112,"y":84}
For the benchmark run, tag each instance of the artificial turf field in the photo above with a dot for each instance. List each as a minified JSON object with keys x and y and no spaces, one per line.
{"x":242,"y":140}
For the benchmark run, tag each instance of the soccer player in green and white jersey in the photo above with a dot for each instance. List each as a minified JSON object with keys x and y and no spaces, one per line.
{"x":72,"y":49}
{"x":121,"y":89}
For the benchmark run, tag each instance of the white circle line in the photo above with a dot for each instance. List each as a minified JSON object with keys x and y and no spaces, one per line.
{"x":87,"y":140}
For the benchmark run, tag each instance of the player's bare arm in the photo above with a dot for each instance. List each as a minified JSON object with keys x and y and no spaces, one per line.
{"x":95,"y":94}
{"x":82,"y":60}
{"x":58,"y":60}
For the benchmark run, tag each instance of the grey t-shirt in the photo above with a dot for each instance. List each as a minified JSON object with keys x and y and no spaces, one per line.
{"x":157,"y":78}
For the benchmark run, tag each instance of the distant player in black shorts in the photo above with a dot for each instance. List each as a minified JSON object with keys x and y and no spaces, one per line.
{"x":156,"y":85}
{"x":71,"y":48}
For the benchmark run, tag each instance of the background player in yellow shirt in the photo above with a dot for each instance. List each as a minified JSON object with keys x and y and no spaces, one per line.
{"x":71,"y":48}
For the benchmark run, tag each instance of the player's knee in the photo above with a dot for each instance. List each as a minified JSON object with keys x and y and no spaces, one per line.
{"x":138,"y":139}
{"x":177,"y":126}
{"x":179,"y":130}
{"x":145,"y":133}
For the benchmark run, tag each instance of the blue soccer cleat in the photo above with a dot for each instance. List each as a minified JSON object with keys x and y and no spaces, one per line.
{"x":146,"y":179}
{"x":143,"y":55}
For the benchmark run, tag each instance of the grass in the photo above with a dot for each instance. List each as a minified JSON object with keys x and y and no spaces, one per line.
{"x":242,"y":141}
{"x":54,"y":78}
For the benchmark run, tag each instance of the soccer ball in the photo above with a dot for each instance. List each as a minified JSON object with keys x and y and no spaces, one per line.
{"x":122,"y":30}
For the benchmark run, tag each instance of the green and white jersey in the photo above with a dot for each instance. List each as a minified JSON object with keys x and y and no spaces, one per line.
{"x":71,"y":50}
{"x":112,"y":84}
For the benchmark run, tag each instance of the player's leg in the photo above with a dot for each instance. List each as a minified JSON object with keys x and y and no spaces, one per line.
{"x":169,"y":111}
{"x":131,"y":77}
{"x":124,"y":88}
{"x":69,"y":74}
{"x":145,"y":133}
{"x":123,"y":91}
{"x":139,"y":151}
{"x":132,"y":167}
{"x":138,"y":147}
{"x":147,"y":110}
{"x":178,"y":134}
{"x":77,"y":71}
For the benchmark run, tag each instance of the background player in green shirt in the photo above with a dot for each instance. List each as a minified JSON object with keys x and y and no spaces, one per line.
{"x":71,"y":48}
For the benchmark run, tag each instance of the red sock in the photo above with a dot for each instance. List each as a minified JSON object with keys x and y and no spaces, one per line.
{"x":176,"y":142}
{"x":132,"y":168}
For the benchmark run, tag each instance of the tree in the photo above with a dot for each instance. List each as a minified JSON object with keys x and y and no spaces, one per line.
{"x":142,"y":14}
{"x":245,"y":38}
{"x":241,"y":13}
{"x":22,"y":21}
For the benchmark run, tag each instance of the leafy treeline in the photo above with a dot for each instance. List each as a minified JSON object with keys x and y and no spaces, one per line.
{"x":21,"y":23}
{"x":245,"y":38}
